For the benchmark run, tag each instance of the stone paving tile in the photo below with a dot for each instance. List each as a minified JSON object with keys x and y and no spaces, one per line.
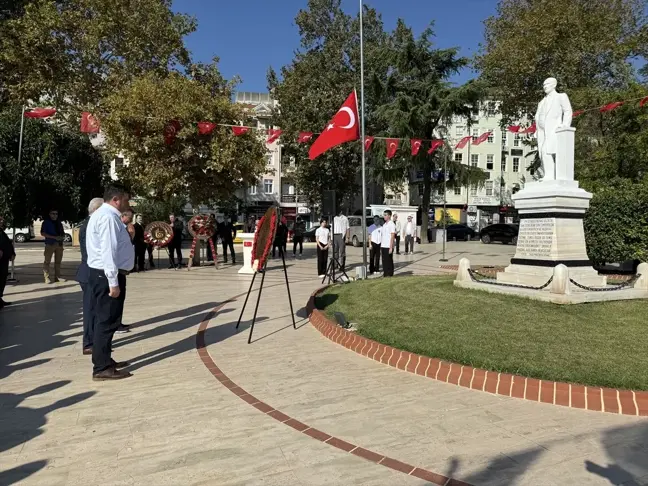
{"x":174,"y":423}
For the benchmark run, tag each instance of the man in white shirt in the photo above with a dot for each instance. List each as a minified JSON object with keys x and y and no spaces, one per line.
{"x":341,"y":232}
{"x":374,"y":250}
{"x":387,"y":237}
{"x":110,"y":258}
{"x":409,"y":235}
{"x":399,"y":229}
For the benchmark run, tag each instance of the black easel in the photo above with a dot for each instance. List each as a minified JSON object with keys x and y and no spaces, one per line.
{"x":330,"y":270}
{"x":256,"y":308}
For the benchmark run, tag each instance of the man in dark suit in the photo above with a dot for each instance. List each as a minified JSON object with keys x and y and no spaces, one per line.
{"x":140,"y":244}
{"x":7,"y":254}
{"x":82,"y":277}
{"x":227,"y":233}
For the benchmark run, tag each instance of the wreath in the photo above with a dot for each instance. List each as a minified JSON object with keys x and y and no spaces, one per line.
{"x":263,"y":238}
{"x":201,"y":226}
{"x":158,"y":234}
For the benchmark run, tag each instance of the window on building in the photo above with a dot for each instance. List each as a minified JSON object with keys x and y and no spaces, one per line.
{"x":261,"y":125}
{"x":459,"y":131}
{"x":516,"y":164}
{"x":269,"y":160}
{"x":473,"y":191}
{"x":457,"y":191}
{"x":475,"y":133}
{"x":420,"y":188}
{"x":252,"y":190}
{"x":489,"y":188}
{"x":489,"y":161}
{"x":267,"y":186}
{"x":474,"y":160}
{"x":516,"y":140}
{"x":503,"y":164}
{"x":458,"y":158}
{"x":491,"y":138}
{"x":504,"y":139}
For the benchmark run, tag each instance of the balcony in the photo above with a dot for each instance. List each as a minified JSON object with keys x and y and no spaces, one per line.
{"x":293,"y":198}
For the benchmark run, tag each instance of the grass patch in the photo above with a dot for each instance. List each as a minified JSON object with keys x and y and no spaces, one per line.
{"x":597,"y":344}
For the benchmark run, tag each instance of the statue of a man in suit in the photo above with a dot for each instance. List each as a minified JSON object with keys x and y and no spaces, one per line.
{"x":554,"y":112}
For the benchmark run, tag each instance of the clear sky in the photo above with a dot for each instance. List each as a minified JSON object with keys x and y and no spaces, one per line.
{"x":252,"y":35}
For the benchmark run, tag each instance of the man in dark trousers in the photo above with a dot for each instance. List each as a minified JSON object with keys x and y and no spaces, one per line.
{"x":176,"y":242}
{"x":82,"y":276}
{"x":140,"y":244}
{"x":387,"y":240}
{"x":227,"y":233}
{"x":7,"y":254}
{"x":110,"y":258}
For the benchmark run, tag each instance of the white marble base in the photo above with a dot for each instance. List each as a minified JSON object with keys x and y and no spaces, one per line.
{"x":248,"y":240}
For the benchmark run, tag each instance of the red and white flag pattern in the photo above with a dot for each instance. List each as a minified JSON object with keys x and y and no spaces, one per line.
{"x":416,"y":145}
{"x":435,"y":145}
{"x":304,"y":137}
{"x":392,"y":147}
{"x":89,"y":123}
{"x":342,"y":128}
{"x":40,"y":112}
{"x":368,"y":141}
{"x":240,"y":130}
{"x":482,"y":138}
{"x":273,"y":135}
{"x":205,"y":128}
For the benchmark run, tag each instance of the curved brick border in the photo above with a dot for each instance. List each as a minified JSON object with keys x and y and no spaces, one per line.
{"x":597,"y":399}
{"x":305,"y":429}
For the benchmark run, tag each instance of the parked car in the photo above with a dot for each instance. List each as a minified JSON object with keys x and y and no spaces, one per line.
{"x":460,"y":232}
{"x":20,"y":235}
{"x":505,"y":233}
{"x":355,"y":229}
{"x":68,"y":235}
{"x":309,"y":235}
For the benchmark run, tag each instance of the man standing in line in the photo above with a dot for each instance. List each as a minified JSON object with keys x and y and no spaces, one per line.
{"x":110,"y":258}
{"x":341,"y":232}
{"x":409,"y":234}
{"x":7,"y":254}
{"x":227,"y":233}
{"x":82,"y":276}
{"x":140,"y":244}
{"x":387,"y":237}
{"x":374,"y":250}
{"x":127,"y":219}
{"x":398,"y":226}
{"x":176,"y":242}
{"x":298,"y":236}
{"x":52,"y":231}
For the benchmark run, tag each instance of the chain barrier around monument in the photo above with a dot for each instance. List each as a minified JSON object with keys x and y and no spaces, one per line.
{"x":489,"y":280}
{"x":621,"y":286}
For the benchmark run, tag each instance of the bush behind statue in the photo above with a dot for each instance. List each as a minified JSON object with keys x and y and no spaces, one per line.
{"x":616,"y":224}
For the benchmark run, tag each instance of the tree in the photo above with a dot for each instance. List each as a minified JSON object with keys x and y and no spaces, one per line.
{"x":59,"y":169}
{"x":316,"y":83}
{"x":416,"y":100}
{"x":153,"y":122}
{"x":73,"y":52}
{"x":159,"y":210}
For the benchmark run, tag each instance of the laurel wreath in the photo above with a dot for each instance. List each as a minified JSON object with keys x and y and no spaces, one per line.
{"x":158,"y":234}
{"x":263,"y":238}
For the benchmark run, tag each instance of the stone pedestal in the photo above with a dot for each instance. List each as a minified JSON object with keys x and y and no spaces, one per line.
{"x":551,"y":233}
{"x":248,"y":239}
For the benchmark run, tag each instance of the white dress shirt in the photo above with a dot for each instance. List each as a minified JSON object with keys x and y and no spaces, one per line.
{"x":398,"y":226}
{"x":409,"y":229}
{"x":340,"y":225}
{"x":108,"y":243}
{"x":374,"y":231}
{"x":388,"y":229}
{"x":322,"y":235}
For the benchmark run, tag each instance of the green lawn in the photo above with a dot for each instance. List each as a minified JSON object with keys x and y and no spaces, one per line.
{"x":599,"y":344}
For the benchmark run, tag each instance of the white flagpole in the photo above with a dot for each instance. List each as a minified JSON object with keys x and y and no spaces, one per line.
{"x":362,"y":141}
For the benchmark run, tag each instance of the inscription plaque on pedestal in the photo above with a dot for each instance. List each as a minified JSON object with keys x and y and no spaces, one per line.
{"x":535,"y":238}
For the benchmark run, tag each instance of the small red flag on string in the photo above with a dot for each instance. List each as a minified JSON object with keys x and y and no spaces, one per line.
{"x":416,"y":145}
{"x":482,"y":138}
{"x":463,"y":142}
{"x":514,"y":128}
{"x":89,"y":124}
{"x":342,"y":128}
{"x":240,"y":130}
{"x":532,"y":129}
{"x":643,"y":102}
{"x":171,"y":131}
{"x":367,"y":142}
{"x":577,"y":113}
{"x":205,"y":128}
{"x":610,"y":106}
{"x":40,"y":113}
{"x":435,"y":145}
{"x":392,"y":147}
{"x":273,"y":135}
{"x":304,"y":137}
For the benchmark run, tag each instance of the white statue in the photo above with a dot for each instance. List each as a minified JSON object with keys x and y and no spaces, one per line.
{"x":554,"y":112}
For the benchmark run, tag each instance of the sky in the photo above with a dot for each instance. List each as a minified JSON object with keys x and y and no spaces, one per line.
{"x":253,"y":35}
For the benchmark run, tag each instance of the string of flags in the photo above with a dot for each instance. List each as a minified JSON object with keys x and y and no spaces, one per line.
{"x":342,"y":128}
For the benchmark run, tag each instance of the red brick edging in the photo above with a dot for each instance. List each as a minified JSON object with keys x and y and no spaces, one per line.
{"x":597,"y":399}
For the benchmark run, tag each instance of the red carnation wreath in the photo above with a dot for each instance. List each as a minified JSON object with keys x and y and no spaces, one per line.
{"x":202,"y":227}
{"x":158,"y":233}
{"x":263,"y":238}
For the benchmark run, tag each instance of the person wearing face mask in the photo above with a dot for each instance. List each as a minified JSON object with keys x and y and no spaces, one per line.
{"x":7,"y":254}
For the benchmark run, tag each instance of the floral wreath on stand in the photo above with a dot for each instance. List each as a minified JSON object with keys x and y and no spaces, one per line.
{"x":158,"y":234}
{"x":266,"y":228}
{"x":202,"y":227}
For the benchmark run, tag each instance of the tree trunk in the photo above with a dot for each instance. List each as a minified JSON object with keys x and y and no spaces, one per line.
{"x":425,"y":204}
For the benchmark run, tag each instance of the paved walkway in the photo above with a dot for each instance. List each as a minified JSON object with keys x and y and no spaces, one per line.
{"x":175,"y":423}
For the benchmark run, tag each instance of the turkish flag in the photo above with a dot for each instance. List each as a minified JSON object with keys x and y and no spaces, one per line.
{"x":392,"y":147}
{"x":304,"y":137}
{"x":89,"y":124}
{"x":342,"y":128}
{"x":435,"y":145}
{"x":40,"y":112}
{"x":463,"y":142}
{"x":205,"y":128}
{"x":610,"y":106}
{"x":514,"y":128}
{"x":531,"y":129}
{"x":367,"y":142}
{"x":171,"y":131}
{"x":240,"y":130}
{"x":482,"y":138}
{"x":273,"y":135}
{"x":416,"y":145}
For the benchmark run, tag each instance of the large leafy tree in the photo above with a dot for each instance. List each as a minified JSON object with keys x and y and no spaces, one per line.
{"x":59,"y":168}
{"x":312,"y":88}
{"x":416,"y":100}
{"x":199,"y":168}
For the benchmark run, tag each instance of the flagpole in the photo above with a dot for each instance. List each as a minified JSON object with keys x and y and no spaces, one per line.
{"x":20,"y":141}
{"x":362,"y":143}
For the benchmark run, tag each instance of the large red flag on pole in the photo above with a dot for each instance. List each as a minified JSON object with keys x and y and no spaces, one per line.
{"x":89,"y":123}
{"x":342,"y":128}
